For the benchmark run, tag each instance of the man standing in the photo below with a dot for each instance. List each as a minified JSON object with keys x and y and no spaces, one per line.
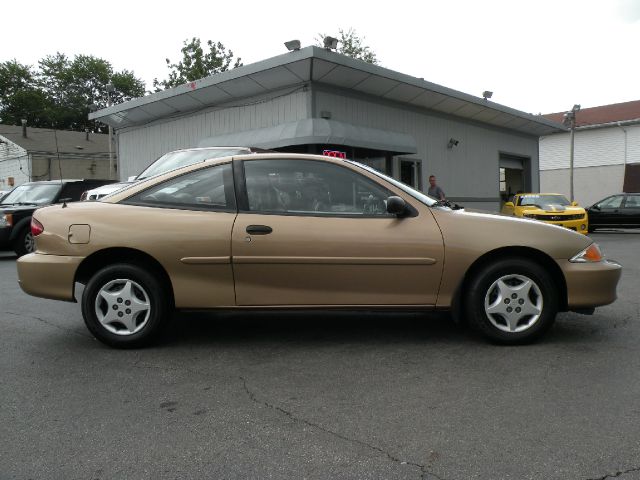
{"x":434,"y":190}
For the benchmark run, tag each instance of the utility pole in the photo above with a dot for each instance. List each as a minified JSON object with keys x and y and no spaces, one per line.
{"x":110,"y":89}
{"x":570,"y":121}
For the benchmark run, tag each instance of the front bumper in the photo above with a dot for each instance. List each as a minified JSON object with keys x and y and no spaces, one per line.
{"x":580,"y":225}
{"x":48,"y":276}
{"x":590,"y":284}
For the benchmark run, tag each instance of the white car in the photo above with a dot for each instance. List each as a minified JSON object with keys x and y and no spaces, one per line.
{"x":103,"y":191}
{"x":167,"y":162}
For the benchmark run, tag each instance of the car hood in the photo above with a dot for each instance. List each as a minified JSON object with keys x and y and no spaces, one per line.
{"x":490,"y":231}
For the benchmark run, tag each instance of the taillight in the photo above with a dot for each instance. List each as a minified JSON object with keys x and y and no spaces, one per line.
{"x":36,"y":227}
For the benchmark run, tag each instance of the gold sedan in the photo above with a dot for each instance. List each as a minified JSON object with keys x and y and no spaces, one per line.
{"x":303,"y":231}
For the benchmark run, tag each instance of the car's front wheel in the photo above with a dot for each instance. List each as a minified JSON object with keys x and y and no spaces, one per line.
{"x":512,"y":301}
{"x":125,"y":306}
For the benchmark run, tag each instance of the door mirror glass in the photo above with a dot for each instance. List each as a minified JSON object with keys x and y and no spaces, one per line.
{"x":596,"y":207}
{"x":396,"y":205}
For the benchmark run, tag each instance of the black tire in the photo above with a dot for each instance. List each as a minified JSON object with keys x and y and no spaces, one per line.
{"x":24,"y":243}
{"x":483,"y":286}
{"x":145,"y":287}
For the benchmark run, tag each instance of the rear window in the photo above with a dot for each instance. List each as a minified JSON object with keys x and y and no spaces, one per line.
{"x":173,"y":160}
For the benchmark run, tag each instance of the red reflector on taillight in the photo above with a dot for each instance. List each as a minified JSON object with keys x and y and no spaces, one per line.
{"x":36,"y":227}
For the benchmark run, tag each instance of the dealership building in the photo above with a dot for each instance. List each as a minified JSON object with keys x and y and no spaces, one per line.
{"x":314,"y":100}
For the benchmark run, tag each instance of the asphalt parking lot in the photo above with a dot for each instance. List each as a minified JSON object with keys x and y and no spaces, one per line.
{"x":321,"y":396}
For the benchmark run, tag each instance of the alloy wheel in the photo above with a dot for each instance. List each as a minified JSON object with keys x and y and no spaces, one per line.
{"x":122,"y":307}
{"x":513,"y":303}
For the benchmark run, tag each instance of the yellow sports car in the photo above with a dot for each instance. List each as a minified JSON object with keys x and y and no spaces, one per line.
{"x":550,"y":208}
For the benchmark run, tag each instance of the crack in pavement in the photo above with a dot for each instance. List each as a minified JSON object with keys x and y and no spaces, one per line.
{"x":47,"y":322}
{"x":424,"y":473}
{"x":617,"y":474}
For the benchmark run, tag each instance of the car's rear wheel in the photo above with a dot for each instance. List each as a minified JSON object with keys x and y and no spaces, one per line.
{"x":24,"y":242}
{"x":512,"y":301}
{"x":125,"y":306}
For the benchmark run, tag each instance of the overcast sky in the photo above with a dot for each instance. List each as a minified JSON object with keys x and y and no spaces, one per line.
{"x":537,"y":56}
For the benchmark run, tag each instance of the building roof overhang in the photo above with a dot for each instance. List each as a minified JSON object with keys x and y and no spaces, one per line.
{"x":317,"y":65}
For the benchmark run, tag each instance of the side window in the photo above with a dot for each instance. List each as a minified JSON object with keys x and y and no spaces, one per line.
{"x":207,"y":189}
{"x":72,"y":190}
{"x":312,"y":188}
{"x":611,"y":202}
{"x":633,"y":201}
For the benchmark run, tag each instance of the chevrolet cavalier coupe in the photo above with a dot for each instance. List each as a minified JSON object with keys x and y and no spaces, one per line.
{"x":305,"y":232}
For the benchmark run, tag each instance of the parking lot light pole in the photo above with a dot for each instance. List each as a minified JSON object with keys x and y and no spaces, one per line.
{"x":570,"y":121}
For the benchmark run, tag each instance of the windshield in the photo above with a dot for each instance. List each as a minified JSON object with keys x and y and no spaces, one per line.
{"x":35,"y":194}
{"x":426,"y":199}
{"x":173,"y":160}
{"x":543,"y":200}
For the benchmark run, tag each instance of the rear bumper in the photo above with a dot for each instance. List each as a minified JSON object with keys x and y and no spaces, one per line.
{"x":591,"y":284}
{"x":48,"y":276}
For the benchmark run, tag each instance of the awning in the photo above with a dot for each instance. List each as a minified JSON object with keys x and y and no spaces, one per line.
{"x":317,"y":131}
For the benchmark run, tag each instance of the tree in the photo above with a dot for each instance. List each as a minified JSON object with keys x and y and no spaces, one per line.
{"x":74,"y":85}
{"x":351,"y":45}
{"x":196,"y":63}
{"x":20,"y":95}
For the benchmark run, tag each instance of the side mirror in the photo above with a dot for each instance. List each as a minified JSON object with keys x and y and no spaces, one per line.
{"x":509,"y":204}
{"x":574,"y":204}
{"x":596,"y":207}
{"x":396,"y":205}
{"x":132,"y":178}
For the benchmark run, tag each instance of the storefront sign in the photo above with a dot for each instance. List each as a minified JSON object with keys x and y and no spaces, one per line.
{"x":334,"y":153}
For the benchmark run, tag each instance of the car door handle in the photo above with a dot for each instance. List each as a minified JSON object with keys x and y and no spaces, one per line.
{"x":259,"y":230}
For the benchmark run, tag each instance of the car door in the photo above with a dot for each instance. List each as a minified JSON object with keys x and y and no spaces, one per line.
{"x":606,"y":213}
{"x":631,"y":210}
{"x":313,"y":232}
{"x":185,"y":223}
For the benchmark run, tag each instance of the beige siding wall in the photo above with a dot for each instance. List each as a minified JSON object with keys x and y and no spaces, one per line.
{"x":139,"y":146}
{"x":85,"y":168}
{"x":590,"y":183}
{"x":599,"y":160}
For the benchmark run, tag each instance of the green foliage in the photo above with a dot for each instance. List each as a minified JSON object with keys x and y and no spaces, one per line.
{"x":60,"y":92}
{"x":351,"y":45}
{"x":197,"y":63}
